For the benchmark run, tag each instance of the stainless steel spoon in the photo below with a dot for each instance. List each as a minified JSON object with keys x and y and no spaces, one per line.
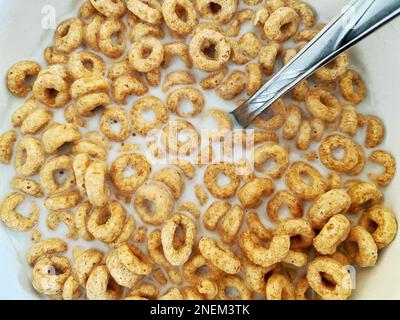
{"x":357,"y":20}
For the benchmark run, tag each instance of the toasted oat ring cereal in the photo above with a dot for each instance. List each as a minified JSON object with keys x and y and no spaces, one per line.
{"x":171,"y":137}
{"x":233,"y":85}
{"x":219,"y":255}
{"x":51,"y":246}
{"x":139,"y":123}
{"x":233,"y":282}
{"x":179,"y":49}
{"x":200,"y":50}
{"x":19,"y":115}
{"x":95,"y":183}
{"x":126,"y":233}
{"x":88,"y":103}
{"x":341,"y":281}
{"x":59,"y":134}
{"x":364,"y":195}
{"x":388,"y":162}
{"x":102,"y":286}
{"x":180,"y":16}
{"x":144,"y":290}
{"x":81,"y":218}
{"x":375,"y":132}
{"x":220,"y":10}
{"x":56,"y":217}
{"x":126,"y":85}
{"x":301,"y":188}
{"x":71,"y":289}
{"x":160,"y":198}
{"x":176,"y":78}
{"x":251,"y":193}
{"x":155,"y":249}
{"x":29,"y":156}
{"x":146,"y":10}
{"x":214,"y":213}
{"x":64,"y":200}
{"x":279,"y":287}
{"x":305,"y":12}
{"x":131,"y":183}
{"x":36,"y":121}
{"x":87,"y":85}
{"x":257,"y":227}
{"x":334,"y":69}
{"x":323,"y":105}
{"x":69,"y":35}
{"x":52,"y":56}
{"x":110,"y":8}
{"x":299,"y":230}
{"x":268,"y":56}
{"x":352,"y":87}
{"x":196,"y":263}
{"x":110,"y":47}
{"x":175,"y":99}
{"x":292,"y":123}
{"x":173,"y":179}
{"x":210,"y":180}
{"x":275,"y":151}
{"x":14,"y":220}
{"x":260,"y":255}
{"x":146,"y":54}
{"x":361,"y":247}
{"x":50,"y":284}
{"x":51,"y":90}
{"x":348,"y":120}
{"x":27,"y":186}
{"x":381,"y":223}
{"x":18,"y":75}
{"x":256,"y":277}
{"x":85,"y":64}
{"x":333,"y":202}
{"x":134,"y":260}
{"x":85,"y":263}
{"x":7,"y":141}
{"x":231,"y":224}
{"x":57,"y":165}
{"x":275,"y":117}
{"x":281,"y":24}
{"x":177,"y":256}
{"x":208,"y":288}
{"x":115,"y":115}
{"x":331,"y":143}
{"x":334,"y":232}
{"x":92,"y":31}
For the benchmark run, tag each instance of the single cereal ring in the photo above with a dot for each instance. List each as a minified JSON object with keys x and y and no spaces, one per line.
{"x":305,"y":12}
{"x":146,"y":54}
{"x":240,"y":17}
{"x":176,"y":78}
{"x":110,"y":8}
{"x":85,"y":263}
{"x":79,"y":164}
{"x":209,"y":50}
{"x":143,"y":29}
{"x":281,"y":24}
{"x":284,"y":198}
{"x":381,"y":223}
{"x":232,"y":86}
{"x":214,"y":79}
{"x":257,"y":227}
{"x":179,"y":49}
{"x":86,"y":11}
{"x":299,"y":230}
{"x":115,"y":115}
{"x":101,"y":286}
{"x":180,"y":16}
{"x":254,"y":78}
{"x":36,"y":121}
{"x":172,"y":179}
{"x":177,"y":256}
{"x":18,"y":75}
{"x":208,"y":288}
{"x":219,"y":255}
{"x":361,"y":247}
{"x":48,"y":247}
{"x":141,"y":105}
{"x":161,"y":200}
{"x":55,"y":218}
{"x":62,"y":201}
{"x":317,"y":129}
{"x":323,"y":105}
{"x":352,"y":87}
{"x":171,"y":137}
{"x":273,"y":119}
{"x":29,"y":156}
{"x":350,"y":155}
{"x":71,"y":289}
{"x":196,"y":263}
{"x":334,"y":69}
{"x":249,"y":45}
{"x":292,"y":122}
{"x":361,"y":161}
{"x":7,"y":141}
{"x":339,"y":288}
{"x":348,"y":120}
{"x":47,"y":283}
{"x":263,"y":256}
{"x":304,"y":136}
{"x":86,"y":105}
{"x":129,"y":184}
{"x":81,"y":218}
{"x":300,"y":91}
{"x":387,"y":160}
{"x":271,"y":150}
{"x":334,"y":232}
{"x":267,"y":57}
{"x":51,"y":89}
{"x":333,"y":202}
{"x":134,"y":259}
{"x":58,"y":135}
{"x":260,"y":16}
{"x":251,"y":193}
{"x":126,"y":85}
{"x":221,"y":11}
{"x":69,"y":35}
{"x":110,"y":29}
{"x":119,"y":272}
{"x":175,"y":99}
{"x":92,"y":84}
{"x":375,"y":132}
{"x":155,"y":249}
{"x":19,"y":115}
{"x":27,"y":186}
{"x":95,"y":183}
{"x":85,"y":64}
{"x":279,"y":287}
{"x":52,"y":56}
{"x":120,"y":68}
{"x":153,"y":77}
{"x":231,"y":224}
{"x":364,"y":195}
{"x":14,"y":220}
{"x":301,"y":188}
{"x":92,"y":32}
{"x":144,"y":290}
{"x":147,"y":10}
{"x":239,"y":290}
{"x":48,"y":175}
{"x":210,"y":180}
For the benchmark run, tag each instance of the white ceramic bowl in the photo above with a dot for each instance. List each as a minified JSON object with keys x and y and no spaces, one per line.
{"x":377,"y":58}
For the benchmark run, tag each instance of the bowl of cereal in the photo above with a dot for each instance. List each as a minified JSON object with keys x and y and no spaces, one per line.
{"x":117,"y":150}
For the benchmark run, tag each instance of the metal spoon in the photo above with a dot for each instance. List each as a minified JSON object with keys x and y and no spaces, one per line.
{"x":358,"y":19}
